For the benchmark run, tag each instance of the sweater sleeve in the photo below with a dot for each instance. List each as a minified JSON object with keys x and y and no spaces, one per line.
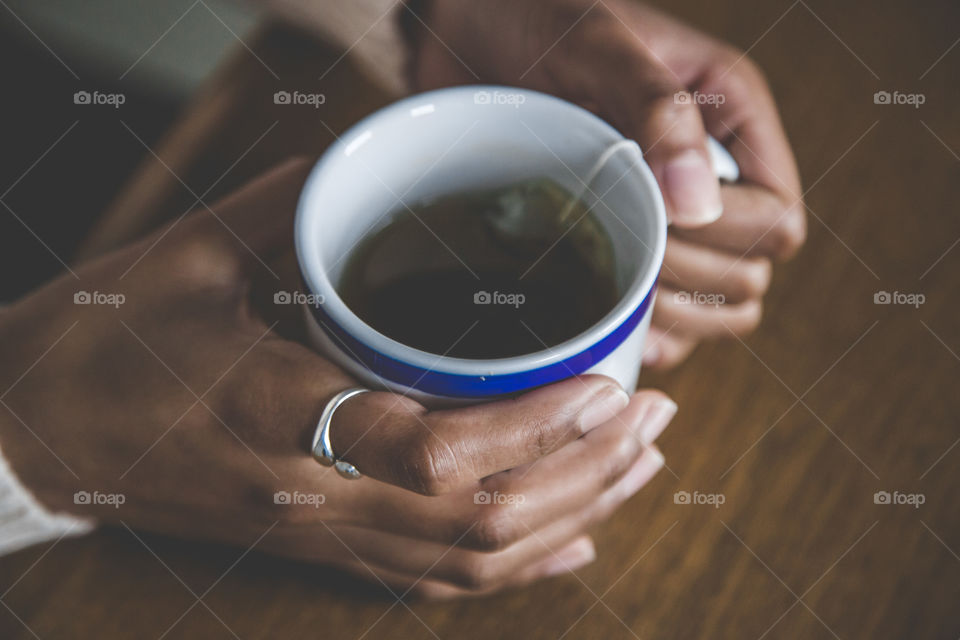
{"x":25,"y":522}
{"x":367,"y":29}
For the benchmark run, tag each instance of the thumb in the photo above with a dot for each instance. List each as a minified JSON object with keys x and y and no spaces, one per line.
{"x":654,"y":108}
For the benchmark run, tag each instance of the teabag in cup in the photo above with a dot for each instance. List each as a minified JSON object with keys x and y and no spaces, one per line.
{"x":540,"y":211}
{"x":529,"y":218}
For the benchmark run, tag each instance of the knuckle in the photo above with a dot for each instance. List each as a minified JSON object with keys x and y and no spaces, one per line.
{"x":430,"y":467}
{"x":494,"y":530}
{"x":750,"y":72}
{"x":748,"y":319}
{"x":740,"y":69}
{"x":195,"y":258}
{"x":192,"y":255}
{"x":789,"y":232}
{"x":259,"y":409}
{"x":477,"y":572}
{"x":667,"y":108}
{"x":739,"y":79}
{"x":622,"y":452}
{"x":751,"y":279}
{"x":542,"y":434}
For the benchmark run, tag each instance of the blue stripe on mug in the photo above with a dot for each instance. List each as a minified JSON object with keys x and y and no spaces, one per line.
{"x":475,"y":386}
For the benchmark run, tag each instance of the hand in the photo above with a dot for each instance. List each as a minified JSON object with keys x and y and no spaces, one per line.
{"x":665,"y":85}
{"x":172,"y":389}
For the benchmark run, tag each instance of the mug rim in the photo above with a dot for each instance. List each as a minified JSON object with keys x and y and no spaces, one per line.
{"x":382,"y":352}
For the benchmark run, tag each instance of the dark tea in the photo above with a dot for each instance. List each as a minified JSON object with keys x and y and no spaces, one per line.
{"x":486,"y":274}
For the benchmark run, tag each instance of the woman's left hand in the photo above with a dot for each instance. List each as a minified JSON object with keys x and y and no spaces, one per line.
{"x":667,"y":86}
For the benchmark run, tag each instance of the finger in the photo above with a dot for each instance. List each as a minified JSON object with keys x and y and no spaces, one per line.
{"x":576,"y":476}
{"x":478,"y":570}
{"x":642,"y":472}
{"x":575,"y":555}
{"x":258,"y":218}
{"x":537,"y":554}
{"x":697,"y":320}
{"x":400,"y":584}
{"x":651,"y":105}
{"x":699,"y":270}
{"x":486,"y":518}
{"x":345,"y":549}
{"x":513,"y":503}
{"x":469,"y":572}
{"x":756,"y":222}
{"x":665,"y":347}
{"x":748,"y":123}
{"x":394,"y":439}
{"x":283,"y":387}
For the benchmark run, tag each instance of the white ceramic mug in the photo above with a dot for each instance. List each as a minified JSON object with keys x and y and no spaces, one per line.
{"x":467,"y":138}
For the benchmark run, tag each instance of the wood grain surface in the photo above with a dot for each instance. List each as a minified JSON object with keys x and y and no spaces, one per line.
{"x":833,"y":399}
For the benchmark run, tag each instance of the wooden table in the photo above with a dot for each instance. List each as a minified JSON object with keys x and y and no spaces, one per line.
{"x":833,"y":399}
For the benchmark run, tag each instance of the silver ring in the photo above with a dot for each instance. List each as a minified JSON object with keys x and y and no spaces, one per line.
{"x":322,"y":450}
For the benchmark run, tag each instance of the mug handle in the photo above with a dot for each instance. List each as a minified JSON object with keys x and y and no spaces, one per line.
{"x":723,"y":163}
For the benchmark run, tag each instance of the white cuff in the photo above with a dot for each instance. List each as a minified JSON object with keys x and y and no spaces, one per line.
{"x":24,"y":521}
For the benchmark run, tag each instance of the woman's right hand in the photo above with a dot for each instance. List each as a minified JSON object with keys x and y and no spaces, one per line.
{"x":168,"y":388}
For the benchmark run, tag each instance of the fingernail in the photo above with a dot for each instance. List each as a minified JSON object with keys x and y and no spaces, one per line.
{"x":656,"y":419}
{"x":602,"y":406}
{"x":692,"y":189}
{"x":575,"y":555}
{"x":646,"y":466}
